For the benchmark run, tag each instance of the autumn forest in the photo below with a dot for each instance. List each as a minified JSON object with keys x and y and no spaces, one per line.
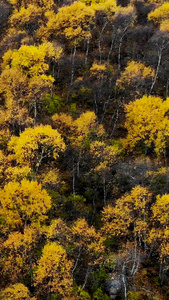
{"x":84,"y":149}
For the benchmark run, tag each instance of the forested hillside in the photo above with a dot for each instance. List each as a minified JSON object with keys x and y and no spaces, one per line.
{"x":84,"y":150}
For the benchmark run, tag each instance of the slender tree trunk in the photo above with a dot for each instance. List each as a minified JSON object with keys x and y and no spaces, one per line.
{"x":100,"y":38}
{"x":111,"y":47}
{"x":157,"y":71}
{"x":94,"y":208}
{"x":31,"y":272}
{"x":95,"y":102}
{"x":115,"y":123}
{"x":144,"y":234}
{"x":162,"y":272}
{"x":120,"y":45}
{"x":73,"y":179}
{"x":104,"y":189}
{"x":136,"y":261}
{"x":78,"y":164}
{"x":104,"y":109}
{"x":72,"y":72}
{"x":77,"y":260}
{"x":35,"y":111}
{"x":89,"y":269}
{"x":73,"y":65}
{"x":40,"y":160}
{"x":53,"y":74}
{"x":58,"y":70}
{"x":87,"y":50}
{"x":19,"y":121}
{"x":123,"y":276}
{"x":53,"y":69}
{"x":119,"y":55}
{"x":106,"y":104}
{"x":51,"y":92}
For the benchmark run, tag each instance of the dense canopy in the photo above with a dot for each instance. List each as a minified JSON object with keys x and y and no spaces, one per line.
{"x":84,"y":149}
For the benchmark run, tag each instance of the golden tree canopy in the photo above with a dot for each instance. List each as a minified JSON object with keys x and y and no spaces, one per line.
{"x":36,"y":143}
{"x":15,"y":292}
{"x":54,"y":269}
{"x":22,"y":202}
{"x":147,"y":121}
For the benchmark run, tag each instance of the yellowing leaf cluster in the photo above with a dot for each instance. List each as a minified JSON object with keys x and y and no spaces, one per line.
{"x":80,"y":129}
{"x":15,"y":292}
{"x":108,"y":6}
{"x":135,"y":73}
{"x":160,"y":13}
{"x":30,"y":60}
{"x":72,"y":21}
{"x":58,"y":230}
{"x":54,"y":269}
{"x":87,"y":238}
{"x":26,"y":15}
{"x":160,"y":231}
{"x":22,"y":202}
{"x":147,"y":121}
{"x":105,"y":155}
{"x":43,"y":138}
{"x":19,"y":252}
{"x":132,"y":208}
{"x":164,"y":25}
{"x":17,"y":173}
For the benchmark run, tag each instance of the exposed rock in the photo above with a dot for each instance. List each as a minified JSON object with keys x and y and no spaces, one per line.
{"x":114,"y":286}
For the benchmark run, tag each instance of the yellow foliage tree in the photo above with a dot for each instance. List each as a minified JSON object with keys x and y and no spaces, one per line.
{"x":29,"y":15}
{"x":23,"y":202}
{"x":160,"y":13}
{"x":23,"y":78}
{"x":15,"y":292}
{"x":164,"y":25}
{"x":132,"y":208}
{"x":108,"y":6}
{"x":104,"y":156}
{"x":9,"y":172}
{"x":137,"y":75}
{"x":14,"y":86}
{"x":54,"y":271}
{"x":71,"y":22}
{"x":16,"y":173}
{"x":30,"y":60}
{"x":5,"y":163}
{"x":26,"y":16}
{"x":128,"y":219}
{"x":89,"y":240}
{"x":35,"y":144}
{"x":20,"y":251}
{"x":79,"y":132}
{"x":98,"y":70}
{"x":90,"y":246}
{"x":58,"y":231}
{"x":160,"y":231}
{"x":64,"y":123}
{"x":86,"y":125}
{"x":80,"y":129}
{"x":147,"y":121}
